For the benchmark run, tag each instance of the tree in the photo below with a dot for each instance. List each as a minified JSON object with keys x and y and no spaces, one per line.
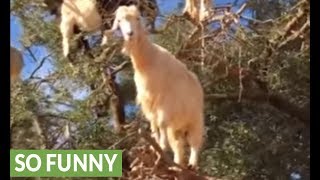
{"x":255,"y":74}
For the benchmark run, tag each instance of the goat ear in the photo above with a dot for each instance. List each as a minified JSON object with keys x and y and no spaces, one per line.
{"x":115,"y":24}
{"x":133,"y":8}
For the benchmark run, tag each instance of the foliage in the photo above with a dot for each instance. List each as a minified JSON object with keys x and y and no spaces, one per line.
{"x":255,"y":75}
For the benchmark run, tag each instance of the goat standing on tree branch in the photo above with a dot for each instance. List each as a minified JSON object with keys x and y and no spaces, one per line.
{"x":171,"y":96}
{"x":92,"y":15}
{"x":16,"y":64}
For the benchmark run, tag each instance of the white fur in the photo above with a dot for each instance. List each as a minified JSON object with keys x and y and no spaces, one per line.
{"x":83,"y":13}
{"x":171,"y":96}
{"x":198,"y":9}
{"x":205,"y":7}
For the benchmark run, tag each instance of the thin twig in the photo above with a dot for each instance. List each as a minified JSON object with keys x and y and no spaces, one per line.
{"x":31,"y":53}
{"x":295,"y":35}
{"x":202,"y":48}
{"x":120,"y":67}
{"x":256,"y":20}
{"x":128,"y":136}
{"x":241,"y":9}
{"x":240,"y":77}
{"x":39,"y":66}
{"x":275,"y":100}
{"x":225,"y":20}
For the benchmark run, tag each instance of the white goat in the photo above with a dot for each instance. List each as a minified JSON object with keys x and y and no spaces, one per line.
{"x":82,"y":13}
{"x":16,"y":64}
{"x":91,"y":15}
{"x":171,"y":96}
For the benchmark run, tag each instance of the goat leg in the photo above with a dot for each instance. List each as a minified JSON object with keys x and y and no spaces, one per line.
{"x":105,"y":33}
{"x":82,"y":43}
{"x":86,"y":48}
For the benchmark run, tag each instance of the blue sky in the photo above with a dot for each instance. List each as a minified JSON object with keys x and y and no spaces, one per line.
{"x":16,"y":31}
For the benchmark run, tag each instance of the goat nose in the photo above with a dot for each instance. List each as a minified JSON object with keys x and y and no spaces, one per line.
{"x":130,"y":33}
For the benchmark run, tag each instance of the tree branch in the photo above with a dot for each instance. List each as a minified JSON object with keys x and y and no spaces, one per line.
{"x":179,"y":171}
{"x":276,"y":100}
{"x":39,"y":66}
{"x":295,"y":35}
{"x":31,"y":53}
{"x":128,"y":136}
{"x":119,"y":68}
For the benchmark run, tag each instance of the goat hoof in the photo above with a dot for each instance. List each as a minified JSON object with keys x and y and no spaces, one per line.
{"x":192,"y":168}
{"x":164,"y":147}
{"x":175,"y":168}
{"x":103,"y":44}
{"x":185,"y":13}
{"x":69,"y":57}
{"x":152,"y":148}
